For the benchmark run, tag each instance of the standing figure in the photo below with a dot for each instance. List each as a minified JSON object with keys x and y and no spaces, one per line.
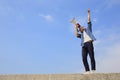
{"x":87,"y":39}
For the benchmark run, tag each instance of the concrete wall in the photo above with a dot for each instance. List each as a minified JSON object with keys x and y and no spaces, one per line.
{"x":97,"y":76}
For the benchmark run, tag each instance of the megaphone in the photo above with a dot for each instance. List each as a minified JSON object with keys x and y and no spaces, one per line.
{"x":73,"y":21}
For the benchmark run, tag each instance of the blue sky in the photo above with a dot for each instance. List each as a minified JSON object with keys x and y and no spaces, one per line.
{"x":36,"y":36}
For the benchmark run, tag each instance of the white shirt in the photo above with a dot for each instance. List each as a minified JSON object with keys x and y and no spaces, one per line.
{"x":86,"y":37}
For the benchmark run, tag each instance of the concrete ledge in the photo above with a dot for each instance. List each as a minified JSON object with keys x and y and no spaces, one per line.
{"x":97,"y":76}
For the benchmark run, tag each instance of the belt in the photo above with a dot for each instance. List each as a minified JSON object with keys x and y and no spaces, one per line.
{"x":89,"y":41}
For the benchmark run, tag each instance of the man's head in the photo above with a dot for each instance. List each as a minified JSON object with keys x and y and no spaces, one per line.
{"x":80,"y":27}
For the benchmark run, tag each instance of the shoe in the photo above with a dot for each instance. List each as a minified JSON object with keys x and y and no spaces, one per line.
{"x":92,"y":71}
{"x":87,"y":72}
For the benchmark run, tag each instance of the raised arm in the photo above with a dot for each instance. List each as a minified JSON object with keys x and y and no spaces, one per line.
{"x":89,"y":15}
{"x":89,"y":21}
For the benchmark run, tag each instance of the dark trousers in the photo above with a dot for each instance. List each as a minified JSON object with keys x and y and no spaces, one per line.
{"x":88,"y":49}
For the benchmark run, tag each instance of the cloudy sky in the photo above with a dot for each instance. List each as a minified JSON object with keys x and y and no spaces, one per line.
{"x":36,"y":36}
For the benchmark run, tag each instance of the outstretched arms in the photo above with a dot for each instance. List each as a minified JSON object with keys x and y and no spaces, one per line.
{"x":89,"y":21}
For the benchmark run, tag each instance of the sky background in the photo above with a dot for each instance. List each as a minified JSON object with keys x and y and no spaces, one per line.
{"x":36,"y":36}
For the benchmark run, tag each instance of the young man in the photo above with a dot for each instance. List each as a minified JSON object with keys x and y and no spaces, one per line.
{"x":87,"y":39}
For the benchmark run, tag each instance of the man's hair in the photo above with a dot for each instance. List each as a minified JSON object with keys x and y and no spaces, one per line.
{"x":78,"y":25}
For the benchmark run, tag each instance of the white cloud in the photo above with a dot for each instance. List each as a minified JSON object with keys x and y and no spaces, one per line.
{"x":94,"y":20}
{"x":47,"y":17}
{"x":113,"y":2}
{"x":110,"y":3}
{"x":107,"y":51}
{"x":6,"y":10}
{"x":110,"y":59}
{"x":107,"y":4}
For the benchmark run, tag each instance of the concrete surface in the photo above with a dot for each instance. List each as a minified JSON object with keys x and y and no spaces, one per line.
{"x":97,"y":76}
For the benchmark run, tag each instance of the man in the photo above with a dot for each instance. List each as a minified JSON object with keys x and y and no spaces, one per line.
{"x":87,"y":39}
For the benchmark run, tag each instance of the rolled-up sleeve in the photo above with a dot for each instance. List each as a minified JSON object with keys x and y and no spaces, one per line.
{"x":90,"y":26}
